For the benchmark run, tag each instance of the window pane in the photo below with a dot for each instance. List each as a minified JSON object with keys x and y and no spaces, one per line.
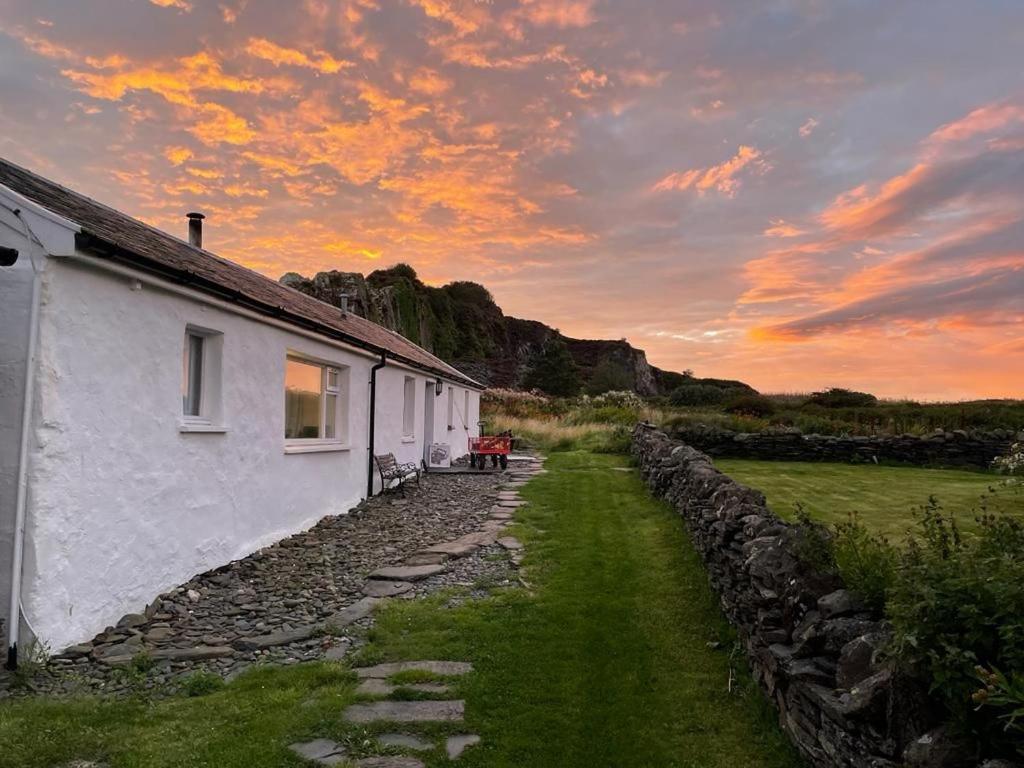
{"x":330,"y":416}
{"x":332,"y":378}
{"x":451,"y":407}
{"x":192,"y":376}
{"x":301,"y":400}
{"x":409,"y":408}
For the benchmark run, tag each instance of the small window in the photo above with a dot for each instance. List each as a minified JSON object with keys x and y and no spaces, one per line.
{"x":409,"y":408}
{"x":201,"y":377}
{"x":192,"y":376}
{"x":313,"y":401}
{"x":465,"y":409}
{"x":451,"y":408}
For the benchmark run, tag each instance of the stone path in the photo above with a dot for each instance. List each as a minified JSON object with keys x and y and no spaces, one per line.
{"x":377,"y":682}
{"x":299,"y":599}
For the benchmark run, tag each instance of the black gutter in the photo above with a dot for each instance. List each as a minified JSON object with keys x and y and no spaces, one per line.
{"x":373,"y":422}
{"x":88,"y":242}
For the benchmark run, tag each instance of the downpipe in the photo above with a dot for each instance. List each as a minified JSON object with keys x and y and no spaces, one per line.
{"x":372,"y":418}
{"x":14,"y":618}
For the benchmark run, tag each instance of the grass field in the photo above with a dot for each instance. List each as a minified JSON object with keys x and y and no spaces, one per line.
{"x":883,"y":497}
{"x":616,"y":656}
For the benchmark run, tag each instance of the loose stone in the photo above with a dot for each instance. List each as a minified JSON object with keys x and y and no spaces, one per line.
{"x":407,"y":572}
{"x":374,"y":588}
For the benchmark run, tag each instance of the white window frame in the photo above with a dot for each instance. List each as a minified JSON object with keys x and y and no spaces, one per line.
{"x":409,"y":409}
{"x":211,"y":412}
{"x":465,"y":406}
{"x":340,"y":391}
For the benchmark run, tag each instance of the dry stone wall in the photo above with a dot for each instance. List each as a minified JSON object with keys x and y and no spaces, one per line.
{"x":811,"y":646}
{"x":949,"y":449}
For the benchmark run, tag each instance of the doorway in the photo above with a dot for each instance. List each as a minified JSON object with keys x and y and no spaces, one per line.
{"x":428,"y":421}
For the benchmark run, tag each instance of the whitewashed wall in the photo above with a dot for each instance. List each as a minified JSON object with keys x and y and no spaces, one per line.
{"x":124,"y":505}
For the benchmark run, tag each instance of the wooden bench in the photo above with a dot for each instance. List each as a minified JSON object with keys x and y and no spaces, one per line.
{"x":390,"y":470}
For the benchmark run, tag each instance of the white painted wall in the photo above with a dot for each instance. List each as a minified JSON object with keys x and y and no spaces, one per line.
{"x":123,"y":504}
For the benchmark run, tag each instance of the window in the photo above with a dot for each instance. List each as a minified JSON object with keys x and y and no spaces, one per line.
{"x":451,"y":408}
{"x":201,"y":380}
{"x":409,"y":408}
{"x":465,"y":409}
{"x":192,"y":376}
{"x":314,"y":408}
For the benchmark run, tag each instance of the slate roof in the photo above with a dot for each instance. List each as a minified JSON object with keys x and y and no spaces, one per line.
{"x":111,"y":234}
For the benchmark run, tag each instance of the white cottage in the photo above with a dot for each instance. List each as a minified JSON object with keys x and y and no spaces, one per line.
{"x":164,"y":411}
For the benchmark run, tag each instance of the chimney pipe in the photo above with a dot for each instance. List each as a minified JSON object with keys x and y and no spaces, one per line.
{"x":195,"y":229}
{"x":343,"y":301}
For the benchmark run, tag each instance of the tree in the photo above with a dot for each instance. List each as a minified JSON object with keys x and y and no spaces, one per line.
{"x":609,"y":376}
{"x":554,"y":371}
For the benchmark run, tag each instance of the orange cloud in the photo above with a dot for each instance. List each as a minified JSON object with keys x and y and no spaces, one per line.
{"x":558,"y":13}
{"x":780,"y":228}
{"x":278,"y":55}
{"x":720,"y":177}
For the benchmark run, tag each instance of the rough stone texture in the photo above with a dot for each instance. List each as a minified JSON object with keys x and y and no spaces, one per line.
{"x":406,"y":712}
{"x":376,"y":588}
{"x":456,"y":745}
{"x":959,"y":448}
{"x":323,"y":751}
{"x":406,"y":572}
{"x":810,"y":646}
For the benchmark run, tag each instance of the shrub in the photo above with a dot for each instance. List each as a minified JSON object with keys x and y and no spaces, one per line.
{"x":696,"y":394}
{"x":866,"y":561}
{"x":957,"y":603}
{"x":750,"y":405}
{"x":837,"y":397}
{"x":1013,"y":462}
{"x":201,"y":683}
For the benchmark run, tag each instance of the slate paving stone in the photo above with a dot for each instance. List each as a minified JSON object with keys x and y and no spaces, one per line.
{"x":274,"y":638}
{"x":322,"y":751}
{"x":502,"y":515}
{"x":511,"y":504}
{"x":353,"y":613}
{"x":406,"y":712}
{"x":404,"y":741}
{"x":338,"y":651}
{"x":457,"y":548}
{"x":375,"y":686}
{"x":375,"y":588}
{"x":407,"y":572}
{"x":427,"y":558}
{"x":456,"y":745}
{"x":510,"y":542}
{"x":442,"y":668}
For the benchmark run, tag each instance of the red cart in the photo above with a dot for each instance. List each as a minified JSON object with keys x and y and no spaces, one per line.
{"x":498,"y":447}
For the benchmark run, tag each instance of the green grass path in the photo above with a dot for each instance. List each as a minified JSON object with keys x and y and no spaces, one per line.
{"x":884,"y":498}
{"x":619,"y":658}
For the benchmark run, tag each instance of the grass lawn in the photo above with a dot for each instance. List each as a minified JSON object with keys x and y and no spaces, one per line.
{"x":884,"y":498}
{"x":617,"y":656}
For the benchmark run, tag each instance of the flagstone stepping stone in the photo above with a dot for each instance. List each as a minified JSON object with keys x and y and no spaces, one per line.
{"x":455,"y":548}
{"x":284,"y":637}
{"x":407,"y":572}
{"x":375,"y":588}
{"x":491,"y":526}
{"x":509,"y":496}
{"x":376,"y":686}
{"x":406,"y":712}
{"x":442,"y":668}
{"x":338,"y":651}
{"x":502,"y":515}
{"x":389,"y":762}
{"x":323,"y":751}
{"x":427,"y":558}
{"x":510,"y":542}
{"x":353,"y":613}
{"x":404,"y":741}
{"x":456,"y":745}
{"x":480,"y":538}
{"x":511,"y":504}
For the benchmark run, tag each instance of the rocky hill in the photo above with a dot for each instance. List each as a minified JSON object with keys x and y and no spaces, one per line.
{"x":461,"y":324}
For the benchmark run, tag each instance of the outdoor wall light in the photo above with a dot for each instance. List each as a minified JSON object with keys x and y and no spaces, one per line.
{"x":8,"y":256}
{"x":438,"y":386}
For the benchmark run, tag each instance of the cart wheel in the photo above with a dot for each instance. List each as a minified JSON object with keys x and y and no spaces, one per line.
{"x":472,"y":460}
{"x":504,"y":461}
{"x":494,"y":460}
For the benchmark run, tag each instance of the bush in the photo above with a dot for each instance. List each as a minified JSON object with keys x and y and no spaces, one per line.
{"x":201,"y":683}
{"x":750,"y":405}
{"x":1013,"y":462}
{"x":866,"y":561}
{"x":696,"y":394}
{"x":956,"y":604}
{"x":842,"y":398}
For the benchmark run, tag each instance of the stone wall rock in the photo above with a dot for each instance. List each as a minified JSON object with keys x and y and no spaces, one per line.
{"x":811,"y":645}
{"x":959,"y":448}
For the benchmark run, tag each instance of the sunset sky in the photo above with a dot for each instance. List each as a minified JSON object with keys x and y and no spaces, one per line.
{"x":798,"y":194}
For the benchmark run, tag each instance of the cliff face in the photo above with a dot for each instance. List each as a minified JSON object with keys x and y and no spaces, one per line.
{"x":461,"y":324}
